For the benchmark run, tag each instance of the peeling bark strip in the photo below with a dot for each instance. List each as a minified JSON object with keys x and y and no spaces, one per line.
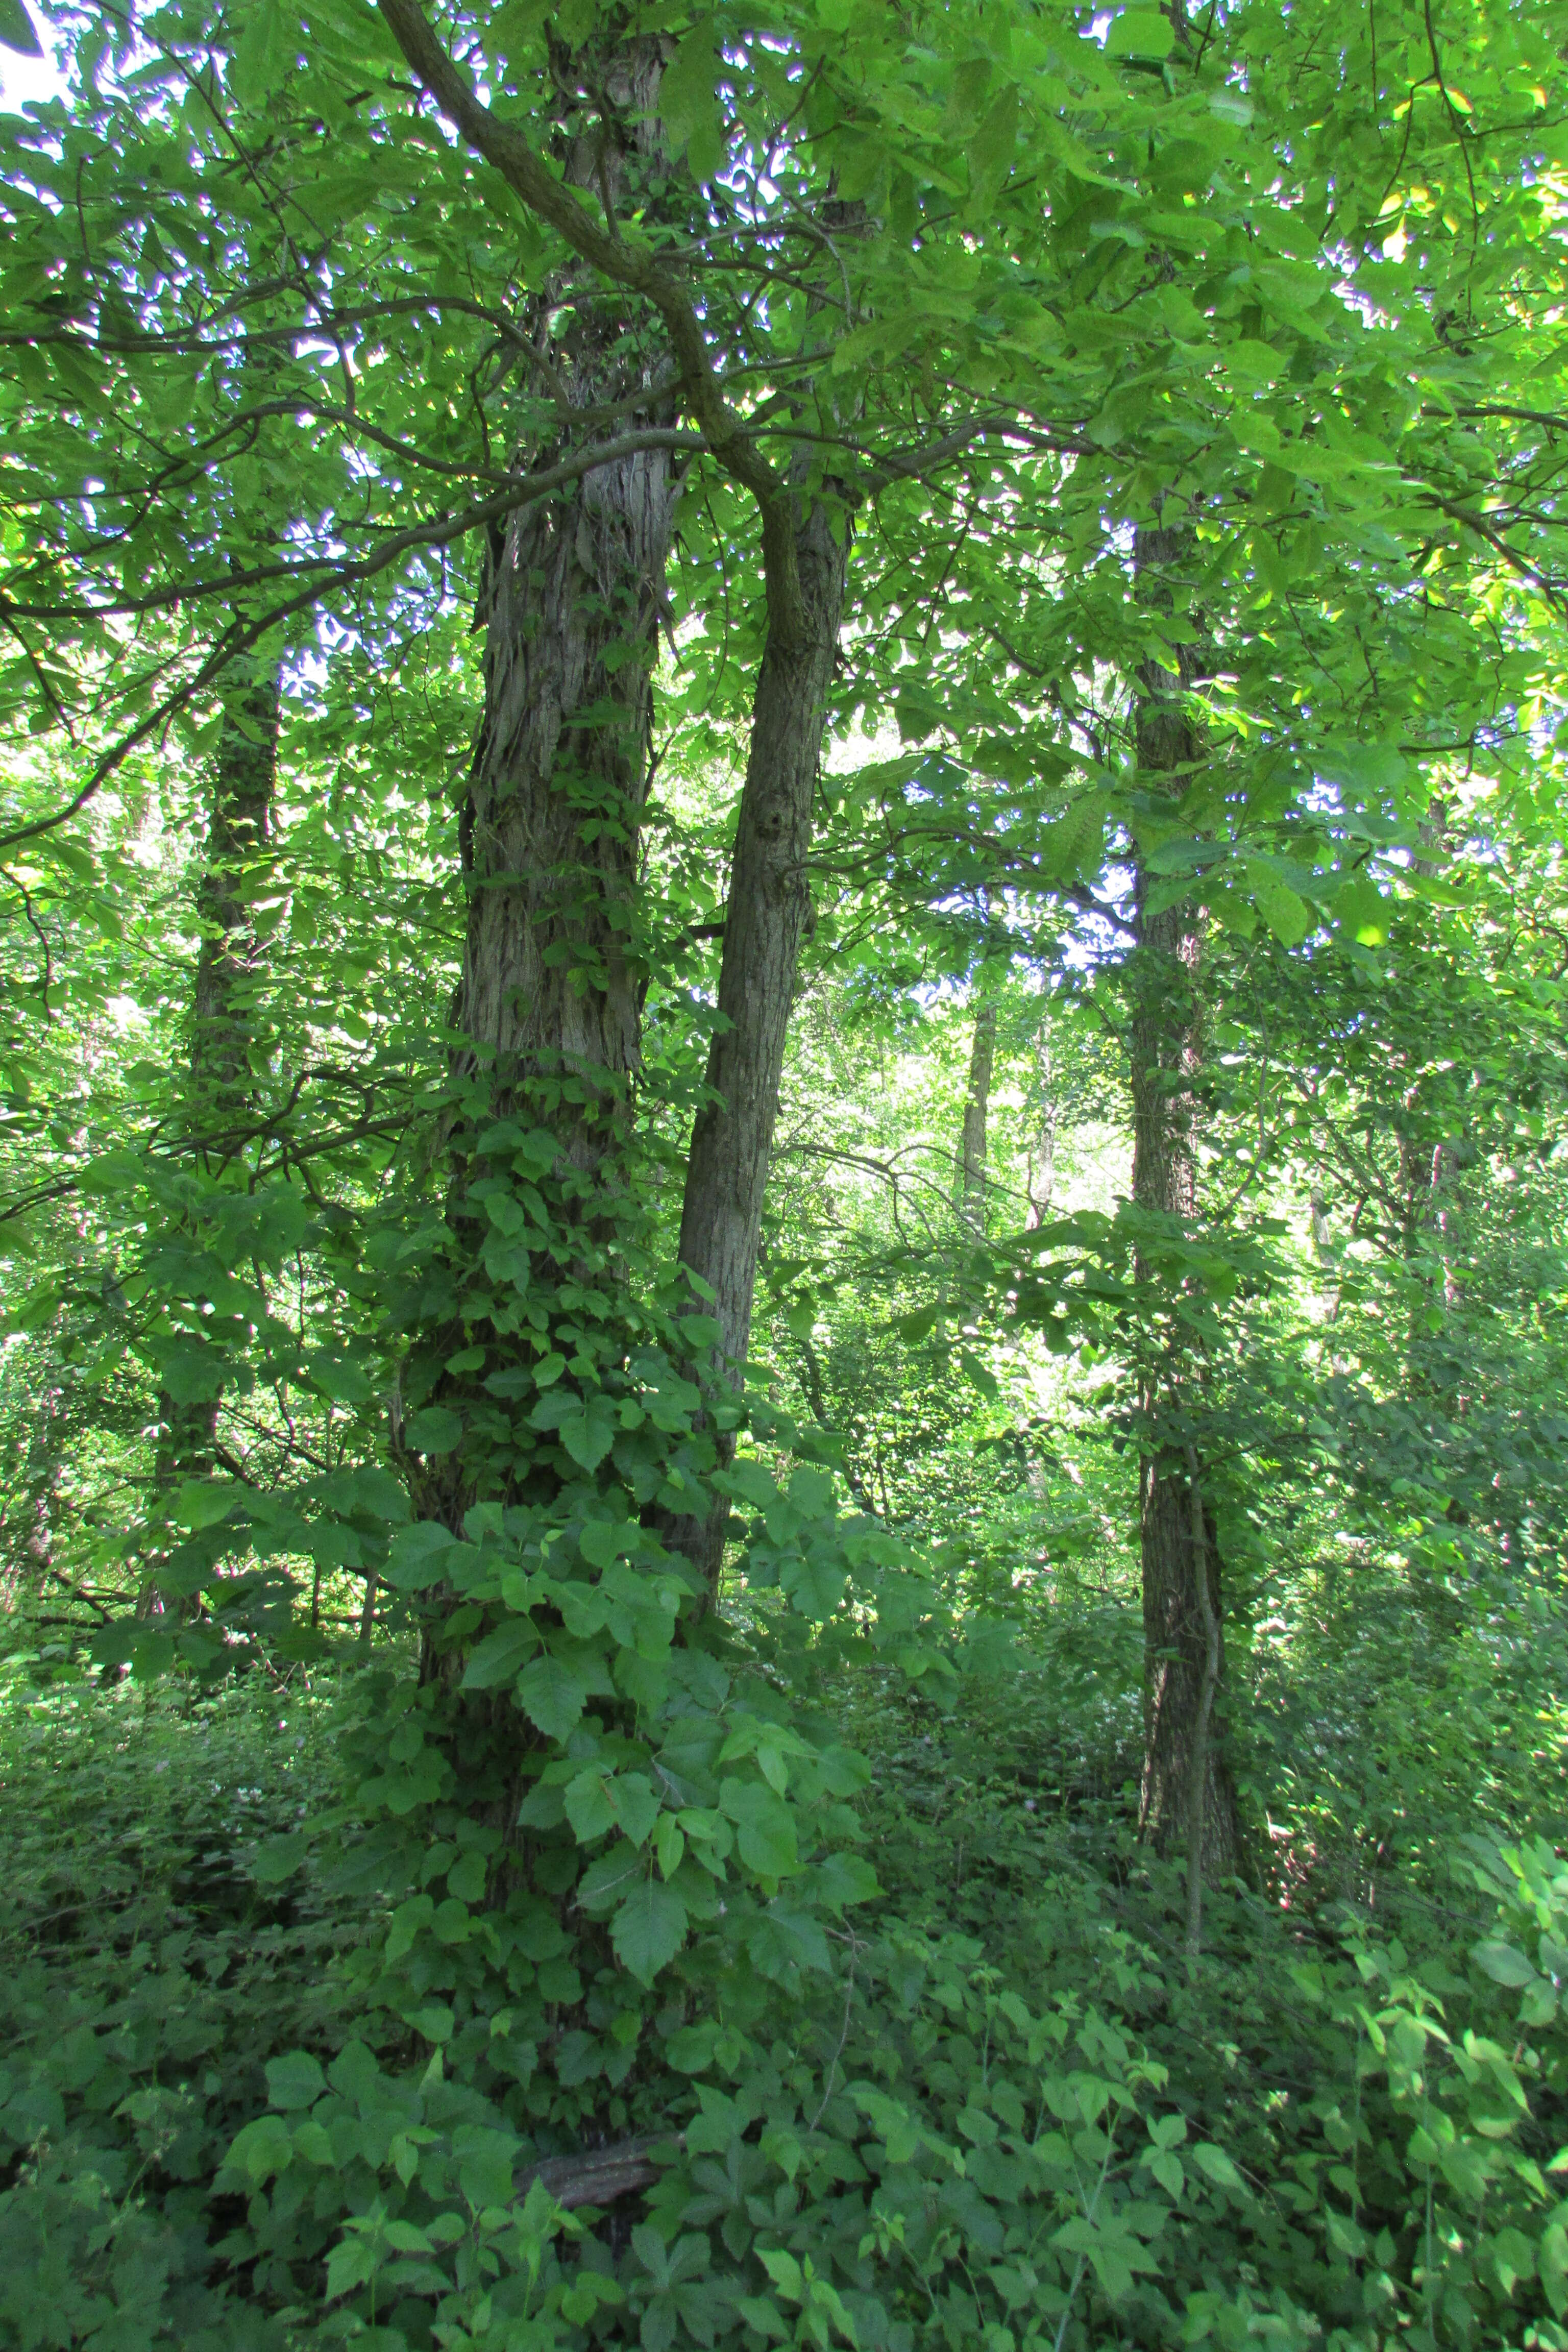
{"x":766,"y":920}
{"x":1181,"y":1672}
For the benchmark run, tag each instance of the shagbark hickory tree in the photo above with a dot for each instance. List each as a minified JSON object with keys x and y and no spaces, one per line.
{"x":851,"y":353}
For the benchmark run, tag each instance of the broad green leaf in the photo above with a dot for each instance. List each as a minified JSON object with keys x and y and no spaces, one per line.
{"x":295,"y":2080}
{"x":553,"y":1691}
{"x":1139,"y":33}
{"x":1505,"y":1965}
{"x":17,"y":30}
{"x":648,"y":1929}
{"x":501,"y":1655}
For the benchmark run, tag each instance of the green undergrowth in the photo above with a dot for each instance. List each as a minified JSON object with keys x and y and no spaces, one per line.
{"x":995,"y":2111}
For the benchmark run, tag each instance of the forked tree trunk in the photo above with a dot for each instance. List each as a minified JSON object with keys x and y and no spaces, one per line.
{"x":1166,"y":1043}
{"x":766,"y":920}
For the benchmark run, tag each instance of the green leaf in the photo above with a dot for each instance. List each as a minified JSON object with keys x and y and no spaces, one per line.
{"x":765,"y":1826}
{"x":501,"y":1655}
{"x":1286,"y":916}
{"x":206,"y":1502}
{"x":688,"y":98}
{"x":811,"y":1492}
{"x":1218,"y":2165}
{"x":437,"y":1429}
{"x":553,"y":1692}
{"x":352,"y":2262}
{"x":295,"y":2080}
{"x":814,"y":1583}
{"x":279,"y":1858}
{"x":485,"y":2164}
{"x":648,"y":1929}
{"x":418,"y":1556}
{"x":17,"y":30}
{"x":263,"y":2148}
{"x":1504,"y":1965}
{"x":603,"y":1541}
{"x":1139,"y":33}
{"x":585,"y":1425}
{"x":590,"y":1807}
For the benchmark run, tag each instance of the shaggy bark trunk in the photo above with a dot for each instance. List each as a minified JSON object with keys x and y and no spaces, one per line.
{"x":765,"y":920}
{"x":548,"y":1001}
{"x":1166,"y":1041}
{"x":560,"y":774}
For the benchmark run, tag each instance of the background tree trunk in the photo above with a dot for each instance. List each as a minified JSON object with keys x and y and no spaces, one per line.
{"x":223,"y":1005}
{"x":973,"y":1146}
{"x":1167,"y":1053}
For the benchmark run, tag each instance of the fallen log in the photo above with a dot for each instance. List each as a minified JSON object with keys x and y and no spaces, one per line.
{"x":598,"y":2176}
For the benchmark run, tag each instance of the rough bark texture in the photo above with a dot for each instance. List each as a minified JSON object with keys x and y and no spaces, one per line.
{"x":1166,"y":1041}
{"x":570,"y":605}
{"x":976,"y":1107}
{"x":572,"y":593}
{"x":765,"y":920}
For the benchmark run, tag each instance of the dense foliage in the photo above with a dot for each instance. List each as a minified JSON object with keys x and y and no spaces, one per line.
{"x":782,"y":1473}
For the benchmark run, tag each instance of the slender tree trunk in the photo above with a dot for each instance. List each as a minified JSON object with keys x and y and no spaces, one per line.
{"x":1042,"y":1169}
{"x":1166,"y":1042}
{"x":239,"y":836}
{"x":765,"y":920}
{"x":973,"y":1146}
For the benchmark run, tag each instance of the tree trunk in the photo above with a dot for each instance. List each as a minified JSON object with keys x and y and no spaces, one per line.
{"x":976,"y":1104}
{"x":223,"y":1005}
{"x":548,"y":1002}
{"x":1042,"y":1170}
{"x":239,"y":835}
{"x":765,"y":920}
{"x":1166,"y":1039}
